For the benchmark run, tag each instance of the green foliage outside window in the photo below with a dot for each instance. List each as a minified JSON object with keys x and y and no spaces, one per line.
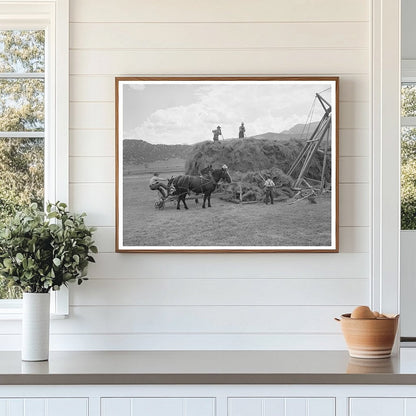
{"x":408,"y":180}
{"x":21,"y":110}
{"x":408,"y":160}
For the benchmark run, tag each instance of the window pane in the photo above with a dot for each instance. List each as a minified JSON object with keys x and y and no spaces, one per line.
{"x":21,"y":182}
{"x":21,"y":173}
{"x":7,"y":292}
{"x":22,"y":51}
{"x":408,"y":178}
{"x":22,"y":104}
{"x":408,"y":99}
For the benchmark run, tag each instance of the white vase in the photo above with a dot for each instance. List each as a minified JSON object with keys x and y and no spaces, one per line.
{"x":35,"y":326}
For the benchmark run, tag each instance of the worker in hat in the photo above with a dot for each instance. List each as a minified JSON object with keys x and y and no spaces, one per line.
{"x":217,"y":133}
{"x":241,"y":131}
{"x":268,"y":188}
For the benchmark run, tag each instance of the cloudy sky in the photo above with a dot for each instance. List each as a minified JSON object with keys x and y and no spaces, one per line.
{"x":173,"y":113}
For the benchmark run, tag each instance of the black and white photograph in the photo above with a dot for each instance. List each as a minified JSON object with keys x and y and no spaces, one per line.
{"x":235,"y":164}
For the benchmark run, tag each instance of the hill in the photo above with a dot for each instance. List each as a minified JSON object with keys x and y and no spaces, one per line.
{"x":271,"y":136}
{"x":298,"y":129}
{"x":139,"y":151}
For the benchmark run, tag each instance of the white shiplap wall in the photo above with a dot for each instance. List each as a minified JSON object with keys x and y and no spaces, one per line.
{"x":218,"y":301}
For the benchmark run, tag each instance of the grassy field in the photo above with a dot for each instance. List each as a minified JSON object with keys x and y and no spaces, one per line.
{"x":225,"y":224}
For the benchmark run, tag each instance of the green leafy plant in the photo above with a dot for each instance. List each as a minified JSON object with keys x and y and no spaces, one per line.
{"x":43,"y":251}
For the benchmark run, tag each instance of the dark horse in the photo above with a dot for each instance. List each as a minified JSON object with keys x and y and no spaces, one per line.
{"x":204,"y":184}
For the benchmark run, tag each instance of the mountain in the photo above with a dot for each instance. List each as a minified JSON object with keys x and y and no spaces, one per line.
{"x":298,"y":129}
{"x":294,"y":132}
{"x":139,"y":151}
{"x":270,"y":136}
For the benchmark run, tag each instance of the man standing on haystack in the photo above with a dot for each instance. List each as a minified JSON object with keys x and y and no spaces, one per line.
{"x":241,"y":131}
{"x":268,"y":187}
{"x":217,"y":133}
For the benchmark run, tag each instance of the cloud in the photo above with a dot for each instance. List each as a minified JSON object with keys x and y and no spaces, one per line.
{"x":136,"y":87}
{"x":263,"y":108}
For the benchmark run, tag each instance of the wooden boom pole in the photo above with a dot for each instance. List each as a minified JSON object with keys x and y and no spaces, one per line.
{"x":311,"y":146}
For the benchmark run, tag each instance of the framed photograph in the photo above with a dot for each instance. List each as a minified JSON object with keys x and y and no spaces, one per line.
{"x":226,"y":164}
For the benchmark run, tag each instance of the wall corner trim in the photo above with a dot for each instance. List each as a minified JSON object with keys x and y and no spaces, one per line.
{"x":385,"y":98}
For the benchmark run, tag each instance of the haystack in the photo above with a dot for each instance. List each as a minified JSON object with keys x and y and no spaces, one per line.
{"x":249,"y":162}
{"x":249,"y":155}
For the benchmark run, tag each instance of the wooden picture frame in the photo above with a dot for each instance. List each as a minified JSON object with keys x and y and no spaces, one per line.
{"x":180,"y":135}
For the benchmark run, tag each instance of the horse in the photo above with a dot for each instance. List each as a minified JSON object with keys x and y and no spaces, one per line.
{"x":204,"y":184}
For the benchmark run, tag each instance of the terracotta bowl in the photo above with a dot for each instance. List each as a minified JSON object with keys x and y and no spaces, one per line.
{"x":369,"y":338}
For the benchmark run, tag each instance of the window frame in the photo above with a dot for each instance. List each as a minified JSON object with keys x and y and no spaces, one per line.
{"x":53,"y":17}
{"x":385,"y":156}
{"x":408,"y":75}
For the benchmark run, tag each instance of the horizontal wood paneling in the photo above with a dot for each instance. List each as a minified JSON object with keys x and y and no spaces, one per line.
{"x":96,"y":199}
{"x":354,"y":208}
{"x":231,"y":61}
{"x":86,"y":169}
{"x":287,"y":296}
{"x":221,"y":35}
{"x":166,"y":341}
{"x":352,"y":239}
{"x":105,"y":239}
{"x":218,"y":11}
{"x":81,"y":115}
{"x":92,"y":88}
{"x":354,"y":142}
{"x":181,"y":320}
{"x":220,"y":291}
{"x":206,"y":266}
{"x":354,"y":170}
{"x":101,"y":88}
{"x":351,"y":115}
{"x":95,"y":143}
{"x":201,"y":319}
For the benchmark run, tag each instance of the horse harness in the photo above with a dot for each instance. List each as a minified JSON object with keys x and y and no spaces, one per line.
{"x":185,"y":181}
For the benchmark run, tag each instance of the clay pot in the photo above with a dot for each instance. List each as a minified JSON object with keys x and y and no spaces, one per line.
{"x":369,"y":338}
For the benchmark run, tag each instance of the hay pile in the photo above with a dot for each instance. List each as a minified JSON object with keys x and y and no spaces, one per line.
{"x":249,"y":162}
{"x":248,"y":186}
{"x":249,"y":155}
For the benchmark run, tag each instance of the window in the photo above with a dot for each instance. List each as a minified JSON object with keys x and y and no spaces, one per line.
{"x":408,"y":154}
{"x":22,"y":124}
{"x":33,"y":111}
